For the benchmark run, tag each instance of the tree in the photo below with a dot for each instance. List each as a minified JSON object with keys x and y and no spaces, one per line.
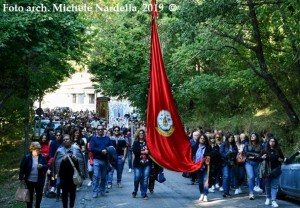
{"x":223,"y":58}
{"x":120,"y":59}
{"x":243,"y":30}
{"x":36,"y":50}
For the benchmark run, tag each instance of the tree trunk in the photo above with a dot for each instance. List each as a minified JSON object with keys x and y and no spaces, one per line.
{"x":27,"y":125}
{"x":264,"y":68}
{"x":282,"y":98}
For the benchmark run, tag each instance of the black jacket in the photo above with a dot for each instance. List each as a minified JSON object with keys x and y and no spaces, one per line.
{"x":140,"y":159}
{"x":66,"y":170}
{"x":26,"y":165}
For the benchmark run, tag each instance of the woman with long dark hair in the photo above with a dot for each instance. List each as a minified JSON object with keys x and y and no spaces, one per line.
{"x":45,"y":146}
{"x":253,"y":152}
{"x":141,"y":163}
{"x":239,"y":169}
{"x":228,"y":151}
{"x":274,"y":156}
{"x":200,"y":150}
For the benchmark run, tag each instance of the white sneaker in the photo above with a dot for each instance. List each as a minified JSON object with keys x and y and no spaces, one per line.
{"x":257,"y":189}
{"x":217,"y":186}
{"x":109,"y":186}
{"x":236,"y":191}
{"x":210,"y":190}
{"x":251,"y":196}
{"x":52,"y":189}
{"x":120,"y":185}
{"x":240,"y":191}
{"x":221,"y":189}
{"x":213,"y":187}
{"x":130,"y":170}
{"x":90,"y":183}
{"x":205,"y":198}
{"x":201,"y":197}
{"x":274,"y":204}
{"x":268,"y":202}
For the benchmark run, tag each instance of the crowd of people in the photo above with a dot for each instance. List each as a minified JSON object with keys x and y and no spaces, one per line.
{"x":225,"y":172}
{"x":97,"y":152}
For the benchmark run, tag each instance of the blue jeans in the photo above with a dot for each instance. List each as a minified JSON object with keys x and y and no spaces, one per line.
{"x":58,"y":188}
{"x":141,"y":176}
{"x":202,"y":177}
{"x":271,"y":187}
{"x":129,"y":157}
{"x":238,"y":175}
{"x":226,"y":171}
{"x":120,"y":166}
{"x":252,"y":174}
{"x":100,"y":169}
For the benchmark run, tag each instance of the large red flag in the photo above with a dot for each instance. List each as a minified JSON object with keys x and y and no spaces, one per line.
{"x":166,"y":139}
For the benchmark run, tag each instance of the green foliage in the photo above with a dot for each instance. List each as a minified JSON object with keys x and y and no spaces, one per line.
{"x":120,"y":57}
{"x":12,"y":124}
{"x":36,"y":49}
{"x":36,"y":53}
{"x":211,"y":58}
{"x":10,"y":155}
{"x":220,"y":63}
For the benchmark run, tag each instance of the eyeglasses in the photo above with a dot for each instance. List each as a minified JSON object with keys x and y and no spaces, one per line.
{"x":117,"y":130}
{"x":66,"y":139}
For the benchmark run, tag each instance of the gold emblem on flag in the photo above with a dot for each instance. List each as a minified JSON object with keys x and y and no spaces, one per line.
{"x":165,"y":123}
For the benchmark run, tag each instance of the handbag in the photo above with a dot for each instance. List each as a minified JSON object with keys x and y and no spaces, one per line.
{"x":240,"y":158}
{"x":77,"y":179}
{"x":275,"y":172}
{"x":161,"y":177}
{"x":22,"y":193}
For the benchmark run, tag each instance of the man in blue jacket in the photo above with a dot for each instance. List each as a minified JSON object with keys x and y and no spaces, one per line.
{"x":99,"y":144}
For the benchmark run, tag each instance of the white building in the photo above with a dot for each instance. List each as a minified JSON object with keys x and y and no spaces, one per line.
{"x":77,"y":93}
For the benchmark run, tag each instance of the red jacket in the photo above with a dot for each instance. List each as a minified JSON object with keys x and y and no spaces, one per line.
{"x":45,"y":150}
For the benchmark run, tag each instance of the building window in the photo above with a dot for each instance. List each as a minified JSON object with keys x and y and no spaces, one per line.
{"x":91,"y":98}
{"x":80,"y":99}
{"x":74,"y":98}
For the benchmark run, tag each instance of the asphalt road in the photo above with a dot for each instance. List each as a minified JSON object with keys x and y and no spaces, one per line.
{"x":175,"y":192}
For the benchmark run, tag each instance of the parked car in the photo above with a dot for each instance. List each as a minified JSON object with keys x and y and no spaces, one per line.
{"x":62,"y":109}
{"x":40,"y":126}
{"x":289,"y":182}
